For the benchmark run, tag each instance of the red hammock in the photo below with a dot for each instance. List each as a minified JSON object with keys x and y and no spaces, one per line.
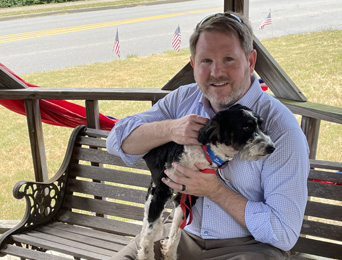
{"x":56,"y":112}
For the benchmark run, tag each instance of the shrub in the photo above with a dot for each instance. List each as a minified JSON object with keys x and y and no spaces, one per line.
{"x":15,"y":3}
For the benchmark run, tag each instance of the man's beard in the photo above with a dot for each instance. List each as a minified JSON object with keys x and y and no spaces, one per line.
{"x":236,"y":93}
{"x":228,"y":101}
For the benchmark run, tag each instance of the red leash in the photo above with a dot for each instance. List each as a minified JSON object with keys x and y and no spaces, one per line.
{"x":185,"y":207}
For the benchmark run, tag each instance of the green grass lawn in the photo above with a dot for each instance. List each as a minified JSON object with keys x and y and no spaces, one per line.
{"x":312,"y":60}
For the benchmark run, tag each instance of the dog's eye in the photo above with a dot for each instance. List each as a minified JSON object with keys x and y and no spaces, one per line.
{"x":247,"y":129}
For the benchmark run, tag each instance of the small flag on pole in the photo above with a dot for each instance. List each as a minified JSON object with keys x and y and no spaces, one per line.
{"x":267,"y":21}
{"x":116,"y":47}
{"x":177,"y":39}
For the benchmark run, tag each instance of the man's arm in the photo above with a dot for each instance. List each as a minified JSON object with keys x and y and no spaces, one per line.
{"x":150,"y":135}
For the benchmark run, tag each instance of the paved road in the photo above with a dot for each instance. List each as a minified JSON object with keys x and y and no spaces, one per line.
{"x":55,"y":42}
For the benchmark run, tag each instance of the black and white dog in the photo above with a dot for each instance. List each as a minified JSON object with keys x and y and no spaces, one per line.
{"x":236,"y":130}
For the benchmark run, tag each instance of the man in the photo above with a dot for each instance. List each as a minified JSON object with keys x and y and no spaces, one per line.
{"x":256,"y":212}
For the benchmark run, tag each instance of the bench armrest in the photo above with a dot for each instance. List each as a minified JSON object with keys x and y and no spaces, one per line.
{"x":43,"y":199}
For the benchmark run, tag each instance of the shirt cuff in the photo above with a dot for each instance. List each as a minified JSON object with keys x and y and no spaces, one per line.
{"x":258,"y":221}
{"x":116,"y":137}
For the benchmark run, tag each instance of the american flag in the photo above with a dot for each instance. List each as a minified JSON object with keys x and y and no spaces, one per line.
{"x":267,"y":21}
{"x":116,"y":47}
{"x":177,"y":39}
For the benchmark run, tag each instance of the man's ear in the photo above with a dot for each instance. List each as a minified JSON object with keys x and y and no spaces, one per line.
{"x":191,"y":62}
{"x":252,"y":60}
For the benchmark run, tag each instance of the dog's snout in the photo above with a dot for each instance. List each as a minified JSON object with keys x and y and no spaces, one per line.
{"x":270,"y":149}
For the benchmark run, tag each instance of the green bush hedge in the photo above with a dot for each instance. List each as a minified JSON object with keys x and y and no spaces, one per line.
{"x":13,"y":3}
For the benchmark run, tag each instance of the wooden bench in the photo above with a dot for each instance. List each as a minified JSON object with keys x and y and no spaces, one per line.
{"x":93,"y":206}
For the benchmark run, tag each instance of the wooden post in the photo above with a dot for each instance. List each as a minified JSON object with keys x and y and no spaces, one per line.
{"x":92,"y":112}
{"x":93,"y":121}
{"x":310,"y":127}
{"x":183,"y":77}
{"x":35,"y":129}
{"x":274,"y":76}
{"x":238,"y":6}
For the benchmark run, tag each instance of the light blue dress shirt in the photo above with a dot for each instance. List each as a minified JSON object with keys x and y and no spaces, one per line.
{"x":275,"y":187}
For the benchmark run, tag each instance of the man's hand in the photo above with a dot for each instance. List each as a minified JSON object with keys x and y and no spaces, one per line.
{"x":185,"y":129}
{"x":207,"y":185}
{"x":197,"y":183}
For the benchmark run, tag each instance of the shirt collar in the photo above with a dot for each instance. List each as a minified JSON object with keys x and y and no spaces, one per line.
{"x":253,"y":94}
{"x":206,"y":105}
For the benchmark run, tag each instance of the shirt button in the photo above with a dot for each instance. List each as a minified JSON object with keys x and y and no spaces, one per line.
{"x":208,"y":206}
{"x":206,"y":233}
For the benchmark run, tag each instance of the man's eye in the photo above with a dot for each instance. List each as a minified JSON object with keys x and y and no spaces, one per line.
{"x":206,"y":60}
{"x":228,"y":59}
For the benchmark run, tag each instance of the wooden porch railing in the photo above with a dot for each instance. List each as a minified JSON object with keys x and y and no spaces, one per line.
{"x":311,"y":113}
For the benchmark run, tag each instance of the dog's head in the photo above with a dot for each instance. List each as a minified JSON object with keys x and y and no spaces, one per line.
{"x":237,"y":130}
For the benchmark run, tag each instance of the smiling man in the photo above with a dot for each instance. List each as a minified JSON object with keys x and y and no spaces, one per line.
{"x":256,"y":210}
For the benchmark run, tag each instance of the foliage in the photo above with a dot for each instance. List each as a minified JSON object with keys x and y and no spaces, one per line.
{"x":13,"y":3}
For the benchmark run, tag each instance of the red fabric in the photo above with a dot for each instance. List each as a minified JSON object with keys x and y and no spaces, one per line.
{"x":56,"y":112}
{"x":184,"y":207}
{"x":327,"y":182}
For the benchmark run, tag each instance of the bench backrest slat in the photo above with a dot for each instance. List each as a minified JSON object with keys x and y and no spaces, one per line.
{"x":318,"y":248}
{"x":110,"y":175}
{"x":324,"y":190}
{"x":325,"y":211}
{"x":91,"y":141}
{"x":91,"y":205}
{"x":325,"y":175}
{"x":102,"y":156}
{"x":107,"y":191}
{"x":323,"y":230}
{"x":91,"y":132}
{"x":99,"y":223}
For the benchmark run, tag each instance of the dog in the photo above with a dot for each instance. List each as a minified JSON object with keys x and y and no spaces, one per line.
{"x":235,"y":130}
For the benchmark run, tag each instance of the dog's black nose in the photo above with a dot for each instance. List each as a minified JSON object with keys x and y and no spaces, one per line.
{"x":270,"y":149}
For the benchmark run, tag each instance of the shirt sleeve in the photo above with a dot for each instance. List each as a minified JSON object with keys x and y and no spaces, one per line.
{"x":278,"y":218}
{"x":160,"y":111}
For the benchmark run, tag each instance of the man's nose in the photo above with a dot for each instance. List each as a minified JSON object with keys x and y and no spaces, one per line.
{"x":217,"y":70}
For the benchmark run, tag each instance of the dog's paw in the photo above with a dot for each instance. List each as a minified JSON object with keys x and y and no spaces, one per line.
{"x":168,"y":252}
{"x":164,"y":242}
{"x":145,"y":254}
{"x":170,"y":257}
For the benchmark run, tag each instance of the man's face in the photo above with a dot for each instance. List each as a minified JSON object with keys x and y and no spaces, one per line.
{"x":221,"y":68}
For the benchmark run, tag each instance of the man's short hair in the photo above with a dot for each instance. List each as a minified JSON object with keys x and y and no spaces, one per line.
{"x":228,"y":23}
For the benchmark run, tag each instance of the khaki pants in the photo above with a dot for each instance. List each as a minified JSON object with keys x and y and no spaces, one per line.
{"x":194,"y":248}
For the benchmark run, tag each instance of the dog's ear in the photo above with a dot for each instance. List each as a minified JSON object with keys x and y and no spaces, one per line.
{"x":209,"y":133}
